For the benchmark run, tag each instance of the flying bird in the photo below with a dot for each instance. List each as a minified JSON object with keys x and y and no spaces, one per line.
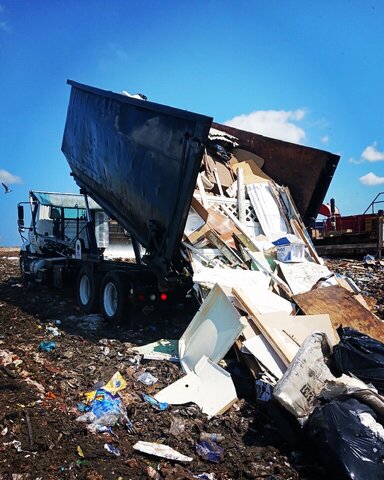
{"x":6,"y":188}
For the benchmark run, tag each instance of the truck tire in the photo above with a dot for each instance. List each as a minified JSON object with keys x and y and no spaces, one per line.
{"x":87,"y":290}
{"x":114,"y":299}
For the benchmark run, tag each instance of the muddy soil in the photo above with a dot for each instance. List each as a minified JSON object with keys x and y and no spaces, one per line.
{"x":40,"y":393}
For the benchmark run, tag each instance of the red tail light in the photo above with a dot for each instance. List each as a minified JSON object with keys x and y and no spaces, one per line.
{"x":163,"y":296}
{"x":141,"y":297}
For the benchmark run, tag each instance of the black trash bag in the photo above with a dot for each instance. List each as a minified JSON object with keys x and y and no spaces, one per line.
{"x":360,"y":355}
{"x":349,"y":449}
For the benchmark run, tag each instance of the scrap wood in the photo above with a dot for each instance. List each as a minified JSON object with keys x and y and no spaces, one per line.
{"x":240,"y":195}
{"x":249,"y":360}
{"x":239,"y":225}
{"x":343,"y":309}
{"x":265,"y":355}
{"x":226,"y":250}
{"x":303,"y":234}
{"x":215,"y":221}
{"x":285,"y":199}
{"x":242,"y":155}
{"x":254,"y":314}
{"x":261,"y":266}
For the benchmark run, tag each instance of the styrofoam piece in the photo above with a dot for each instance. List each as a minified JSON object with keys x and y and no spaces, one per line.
{"x":161,"y":450}
{"x":209,"y":386}
{"x":259,"y":347}
{"x":212,"y":331}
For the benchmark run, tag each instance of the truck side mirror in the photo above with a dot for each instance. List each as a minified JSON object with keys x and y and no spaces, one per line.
{"x":20,"y":215}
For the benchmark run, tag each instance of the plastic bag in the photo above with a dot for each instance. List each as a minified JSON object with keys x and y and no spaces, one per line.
{"x":349,"y":447}
{"x":106,"y":410}
{"x":210,"y":451}
{"x":360,"y":355}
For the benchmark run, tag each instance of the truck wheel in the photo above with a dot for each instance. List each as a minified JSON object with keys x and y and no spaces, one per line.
{"x":87,"y":290}
{"x":114,"y":298}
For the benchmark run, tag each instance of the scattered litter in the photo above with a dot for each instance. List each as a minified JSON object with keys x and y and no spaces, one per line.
{"x":161,"y":450}
{"x":47,"y":346}
{"x":214,"y":437}
{"x":155,"y":403}
{"x":106,"y":410}
{"x":177,"y":426}
{"x":112,"y":449}
{"x":210,"y":451}
{"x":147,"y":378}
{"x":115,"y":384}
{"x":160,"y":350}
{"x":80,"y":451}
{"x":53,"y":331}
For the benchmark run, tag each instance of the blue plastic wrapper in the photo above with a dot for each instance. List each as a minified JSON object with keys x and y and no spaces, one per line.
{"x":112,"y":449}
{"x":47,"y":346}
{"x":105,"y":411}
{"x":210,"y":451}
{"x":105,"y":403}
{"x":155,"y":403}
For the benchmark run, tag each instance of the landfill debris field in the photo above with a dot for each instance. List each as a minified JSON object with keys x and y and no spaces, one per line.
{"x":41,"y":396}
{"x":259,"y":360}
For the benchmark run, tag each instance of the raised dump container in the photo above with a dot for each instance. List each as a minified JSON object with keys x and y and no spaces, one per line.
{"x":139,"y":161}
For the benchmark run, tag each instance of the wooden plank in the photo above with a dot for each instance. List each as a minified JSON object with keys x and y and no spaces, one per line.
{"x":255,"y":318}
{"x":227,"y":251}
{"x":343,"y":309}
{"x":301,"y":233}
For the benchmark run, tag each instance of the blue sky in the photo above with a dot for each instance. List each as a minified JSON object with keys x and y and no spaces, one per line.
{"x":304,"y":71}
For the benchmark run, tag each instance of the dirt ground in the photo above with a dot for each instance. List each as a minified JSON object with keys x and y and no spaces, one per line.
{"x":40,"y":393}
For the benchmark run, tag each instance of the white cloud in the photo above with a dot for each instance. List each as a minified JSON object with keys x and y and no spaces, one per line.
{"x":325,"y":139}
{"x":8,"y":177}
{"x":371,"y":180}
{"x":354,"y":161}
{"x":372,"y":154}
{"x":272,"y":123}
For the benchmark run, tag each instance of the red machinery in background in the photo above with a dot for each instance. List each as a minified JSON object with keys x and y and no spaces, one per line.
{"x":354,"y":234}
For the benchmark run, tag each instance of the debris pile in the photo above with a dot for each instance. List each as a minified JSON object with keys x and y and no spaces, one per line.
{"x":280,"y":343}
